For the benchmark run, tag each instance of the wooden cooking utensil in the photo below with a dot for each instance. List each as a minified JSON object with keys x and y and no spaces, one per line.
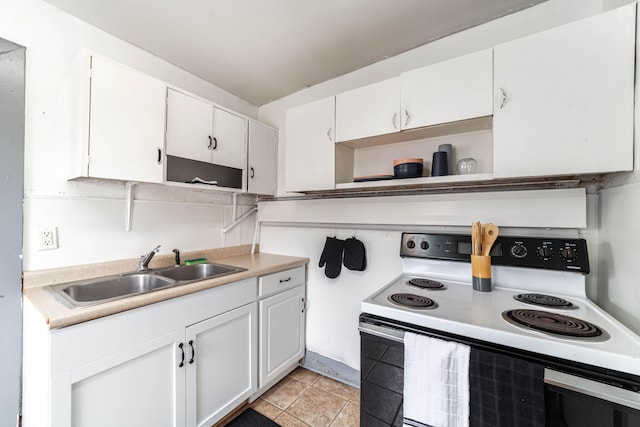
{"x":489,"y":235}
{"x":476,"y":238}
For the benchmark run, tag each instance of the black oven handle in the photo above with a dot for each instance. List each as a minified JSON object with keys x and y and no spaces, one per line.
{"x":382,"y":332}
{"x":621,"y":396}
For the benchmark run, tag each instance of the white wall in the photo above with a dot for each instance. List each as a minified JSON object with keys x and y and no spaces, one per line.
{"x":618,"y":237}
{"x":331,"y":325}
{"x":89,"y":216}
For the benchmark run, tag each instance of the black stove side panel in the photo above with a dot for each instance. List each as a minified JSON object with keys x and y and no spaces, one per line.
{"x":381,"y":382}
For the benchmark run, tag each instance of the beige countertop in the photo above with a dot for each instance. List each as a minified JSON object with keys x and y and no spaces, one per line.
{"x":59,"y":314}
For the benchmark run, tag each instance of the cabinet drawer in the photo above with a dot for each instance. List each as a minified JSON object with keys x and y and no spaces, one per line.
{"x":278,"y":282}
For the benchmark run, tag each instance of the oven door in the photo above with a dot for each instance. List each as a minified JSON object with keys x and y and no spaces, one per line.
{"x":576,"y":401}
{"x":570,"y":400}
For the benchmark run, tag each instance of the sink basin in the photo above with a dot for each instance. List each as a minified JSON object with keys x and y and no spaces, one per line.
{"x":96,"y":291}
{"x":198,"y":271}
{"x":109,"y":288}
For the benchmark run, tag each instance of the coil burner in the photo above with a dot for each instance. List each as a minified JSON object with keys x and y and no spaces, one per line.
{"x":412,"y":301}
{"x":428,"y":284}
{"x":555,"y":324}
{"x":545,"y":301}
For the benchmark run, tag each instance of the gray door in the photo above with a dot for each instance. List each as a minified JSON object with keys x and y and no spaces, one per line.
{"x":12,"y":77}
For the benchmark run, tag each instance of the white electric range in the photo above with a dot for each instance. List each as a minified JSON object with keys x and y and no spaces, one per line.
{"x":537,"y":309}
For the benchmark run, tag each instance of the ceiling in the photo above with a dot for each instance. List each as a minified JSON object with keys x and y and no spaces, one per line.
{"x":263,"y":50}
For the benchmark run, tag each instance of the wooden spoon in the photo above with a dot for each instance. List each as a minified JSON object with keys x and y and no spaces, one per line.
{"x":489,"y":235}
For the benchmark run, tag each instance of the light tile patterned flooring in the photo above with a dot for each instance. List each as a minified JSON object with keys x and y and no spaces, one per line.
{"x":307,"y":399}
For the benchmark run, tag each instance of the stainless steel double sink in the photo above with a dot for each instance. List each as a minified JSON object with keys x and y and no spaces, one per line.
{"x":104,"y":289}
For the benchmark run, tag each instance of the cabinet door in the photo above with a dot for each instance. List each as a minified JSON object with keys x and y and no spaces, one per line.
{"x":229,"y":139}
{"x":564,"y":98}
{"x":143,"y":385}
{"x":126,"y":135}
{"x":189,"y":131}
{"x":282,"y":321}
{"x":310,"y":148}
{"x":262,"y":159}
{"x":457,"y":89}
{"x":221,"y":364}
{"x":368,"y":111}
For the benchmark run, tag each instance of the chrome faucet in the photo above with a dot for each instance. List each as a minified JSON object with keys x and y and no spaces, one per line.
{"x":146,"y":258}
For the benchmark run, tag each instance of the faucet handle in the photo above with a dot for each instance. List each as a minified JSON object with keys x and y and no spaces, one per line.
{"x":177,"y":252}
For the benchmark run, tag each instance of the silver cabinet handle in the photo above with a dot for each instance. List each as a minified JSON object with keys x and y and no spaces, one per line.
{"x":302,"y":303}
{"x":394,"y":120}
{"x":329,"y":135}
{"x":407,"y":117}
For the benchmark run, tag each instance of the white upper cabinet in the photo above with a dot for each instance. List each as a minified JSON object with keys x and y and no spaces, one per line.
{"x":310,"y":147}
{"x":457,"y":89}
{"x":229,"y":139}
{"x":262,"y":171}
{"x":189,"y":122}
{"x":368,"y":111}
{"x":197,"y":130}
{"x":121,"y":130}
{"x":564,"y":98}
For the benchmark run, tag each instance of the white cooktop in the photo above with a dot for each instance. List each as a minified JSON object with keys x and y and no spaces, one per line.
{"x":463,"y":311}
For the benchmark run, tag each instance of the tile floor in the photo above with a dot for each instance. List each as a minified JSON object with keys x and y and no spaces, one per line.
{"x":307,"y":399}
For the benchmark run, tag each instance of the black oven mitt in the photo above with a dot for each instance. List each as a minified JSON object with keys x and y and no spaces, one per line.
{"x":354,"y":254}
{"x":332,"y":257}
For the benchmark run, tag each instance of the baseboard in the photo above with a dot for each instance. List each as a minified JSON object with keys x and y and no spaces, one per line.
{"x":331,"y":368}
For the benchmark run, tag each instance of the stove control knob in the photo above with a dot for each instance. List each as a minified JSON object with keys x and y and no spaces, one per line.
{"x":424,"y":245}
{"x":545,"y":252}
{"x":519,"y":250}
{"x":568,"y":253}
{"x":411,"y":244}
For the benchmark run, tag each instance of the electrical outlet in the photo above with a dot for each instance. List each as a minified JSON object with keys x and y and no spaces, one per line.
{"x":48,"y":238}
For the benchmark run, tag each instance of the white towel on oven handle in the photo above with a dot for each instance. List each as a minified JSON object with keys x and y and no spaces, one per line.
{"x":436,"y":382}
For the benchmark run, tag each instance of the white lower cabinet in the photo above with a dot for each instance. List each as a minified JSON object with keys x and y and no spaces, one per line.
{"x":220,"y":362}
{"x":282,"y":324}
{"x":186,"y":361}
{"x":144,"y":383}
